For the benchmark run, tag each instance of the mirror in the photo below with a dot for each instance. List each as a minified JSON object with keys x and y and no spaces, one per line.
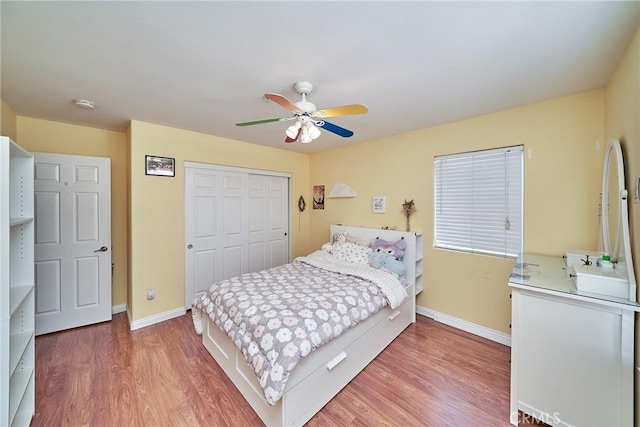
{"x":610,"y":199}
{"x":615,"y":217}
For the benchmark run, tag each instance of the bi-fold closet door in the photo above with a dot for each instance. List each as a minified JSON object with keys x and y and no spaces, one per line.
{"x":236,"y":222}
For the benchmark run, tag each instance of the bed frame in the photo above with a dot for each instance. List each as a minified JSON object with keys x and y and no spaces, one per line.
{"x":324,"y":372}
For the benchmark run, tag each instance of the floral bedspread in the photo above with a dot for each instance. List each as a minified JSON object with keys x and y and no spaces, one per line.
{"x":280,"y":315}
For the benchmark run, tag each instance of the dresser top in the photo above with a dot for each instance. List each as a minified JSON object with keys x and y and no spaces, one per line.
{"x":547,"y":274}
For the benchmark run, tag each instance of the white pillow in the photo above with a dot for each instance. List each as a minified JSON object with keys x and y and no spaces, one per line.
{"x":360,"y":241}
{"x":351,"y":252}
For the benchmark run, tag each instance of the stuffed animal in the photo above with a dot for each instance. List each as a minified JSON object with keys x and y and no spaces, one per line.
{"x":336,"y":238}
{"x":327,"y":247}
{"x":387,"y":262}
{"x":395,"y":249}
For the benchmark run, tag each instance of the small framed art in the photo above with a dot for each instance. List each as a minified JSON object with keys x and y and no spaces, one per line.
{"x":160,"y":166}
{"x":318,"y":197}
{"x":379,"y":204}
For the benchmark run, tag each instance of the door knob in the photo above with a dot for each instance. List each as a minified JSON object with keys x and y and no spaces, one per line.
{"x":102,"y":249}
{"x":189,"y":246}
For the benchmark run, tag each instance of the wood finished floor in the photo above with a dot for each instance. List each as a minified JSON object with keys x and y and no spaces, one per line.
{"x":107,"y":375}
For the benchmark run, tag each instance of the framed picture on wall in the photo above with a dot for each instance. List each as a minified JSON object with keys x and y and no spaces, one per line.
{"x":318,"y":197}
{"x":379,"y":204}
{"x":160,"y":166}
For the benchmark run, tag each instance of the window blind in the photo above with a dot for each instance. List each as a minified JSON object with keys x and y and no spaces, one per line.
{"x":478,"y":201}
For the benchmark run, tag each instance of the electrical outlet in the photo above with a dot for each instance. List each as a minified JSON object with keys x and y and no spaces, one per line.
{"x":151,"y":293}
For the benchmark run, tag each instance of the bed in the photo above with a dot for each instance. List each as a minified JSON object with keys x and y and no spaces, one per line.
{"x":320,"y":373}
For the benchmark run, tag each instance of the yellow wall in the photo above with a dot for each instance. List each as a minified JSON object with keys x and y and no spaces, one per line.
{"x":623,"y":122}
{"x":128,"y":179}
{"x":8,"y":122}
{"x":157,"y":206}
{"x":53,"y":137}
{"x":562,"y":184}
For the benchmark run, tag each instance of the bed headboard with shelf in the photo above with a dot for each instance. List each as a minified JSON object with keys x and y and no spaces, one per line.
{"x":413,"y":255}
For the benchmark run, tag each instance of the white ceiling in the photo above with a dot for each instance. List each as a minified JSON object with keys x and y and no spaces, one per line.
{"x":204,"y":66}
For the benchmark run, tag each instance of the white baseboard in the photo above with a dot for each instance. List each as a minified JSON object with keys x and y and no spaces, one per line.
{"x":157,"y":318}
{"x":466,"y":326}
{"x":120,"y":308}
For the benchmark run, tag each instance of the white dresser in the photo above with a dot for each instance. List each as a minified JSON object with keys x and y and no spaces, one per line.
{"x":572,"y":352}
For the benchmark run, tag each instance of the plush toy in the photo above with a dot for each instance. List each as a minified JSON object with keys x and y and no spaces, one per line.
{"x":395,"y":249}
{"x":336,"y":238}
{"x":327,"y":247}
{"x":387,"y":262}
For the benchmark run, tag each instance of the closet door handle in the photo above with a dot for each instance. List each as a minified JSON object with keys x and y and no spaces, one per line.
{"x":102,"y":249}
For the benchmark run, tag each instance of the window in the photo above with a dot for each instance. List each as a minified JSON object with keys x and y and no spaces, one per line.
{"x":478,"y":201}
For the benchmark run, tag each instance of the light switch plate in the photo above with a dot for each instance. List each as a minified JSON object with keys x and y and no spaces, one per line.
{"x":636,"y":190}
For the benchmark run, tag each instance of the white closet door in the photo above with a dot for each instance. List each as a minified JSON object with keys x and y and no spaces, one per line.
{"x":235,"y":222}
{"x":216,"y":228}
{"x":268,"y":221}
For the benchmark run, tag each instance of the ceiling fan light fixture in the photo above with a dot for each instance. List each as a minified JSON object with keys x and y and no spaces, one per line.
{"x":292,"y":131}
{"x":314,"y":132}
{"x":305,"y":139}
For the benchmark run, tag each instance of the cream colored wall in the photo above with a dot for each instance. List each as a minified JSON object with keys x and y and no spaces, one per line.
{"x":623,"y":122}
{"x":8,"y":122}
{"x":128,"y":198}
{"x":54,"y":137}
{"x":562,"y":177}
{"x":157,"y":206}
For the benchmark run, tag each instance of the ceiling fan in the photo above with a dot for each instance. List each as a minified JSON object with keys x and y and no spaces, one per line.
{"x":307,"y":118}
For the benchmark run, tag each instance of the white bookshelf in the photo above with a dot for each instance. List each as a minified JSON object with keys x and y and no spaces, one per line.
{"x":17,"y":283}
{"x":419,"y":263}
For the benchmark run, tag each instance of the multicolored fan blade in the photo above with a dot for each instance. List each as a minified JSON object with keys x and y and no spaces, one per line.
{"x":258,"y":122}
{"x":282,"y":101}
{"x":334,"y":128}
{"x":345,"y":110}
{"x":289,"y":140}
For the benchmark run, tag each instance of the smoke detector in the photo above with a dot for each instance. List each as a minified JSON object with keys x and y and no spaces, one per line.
{"x":85,"y":103}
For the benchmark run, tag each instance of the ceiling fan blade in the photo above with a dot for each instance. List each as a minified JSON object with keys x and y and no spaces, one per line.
{"x":345,"y":110}
{"x":289,"y":140}
{"x":282,"y":101}
{"x":335,"y":129}
{"x":258,"y":122}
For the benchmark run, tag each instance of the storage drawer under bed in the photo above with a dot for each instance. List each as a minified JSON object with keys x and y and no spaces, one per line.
{"x":319,"y":376}
{"x":336,"y":372}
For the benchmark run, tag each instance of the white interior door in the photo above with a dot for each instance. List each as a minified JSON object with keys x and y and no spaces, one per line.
{"x":235,"y":223}
{"x":72,"y":241}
